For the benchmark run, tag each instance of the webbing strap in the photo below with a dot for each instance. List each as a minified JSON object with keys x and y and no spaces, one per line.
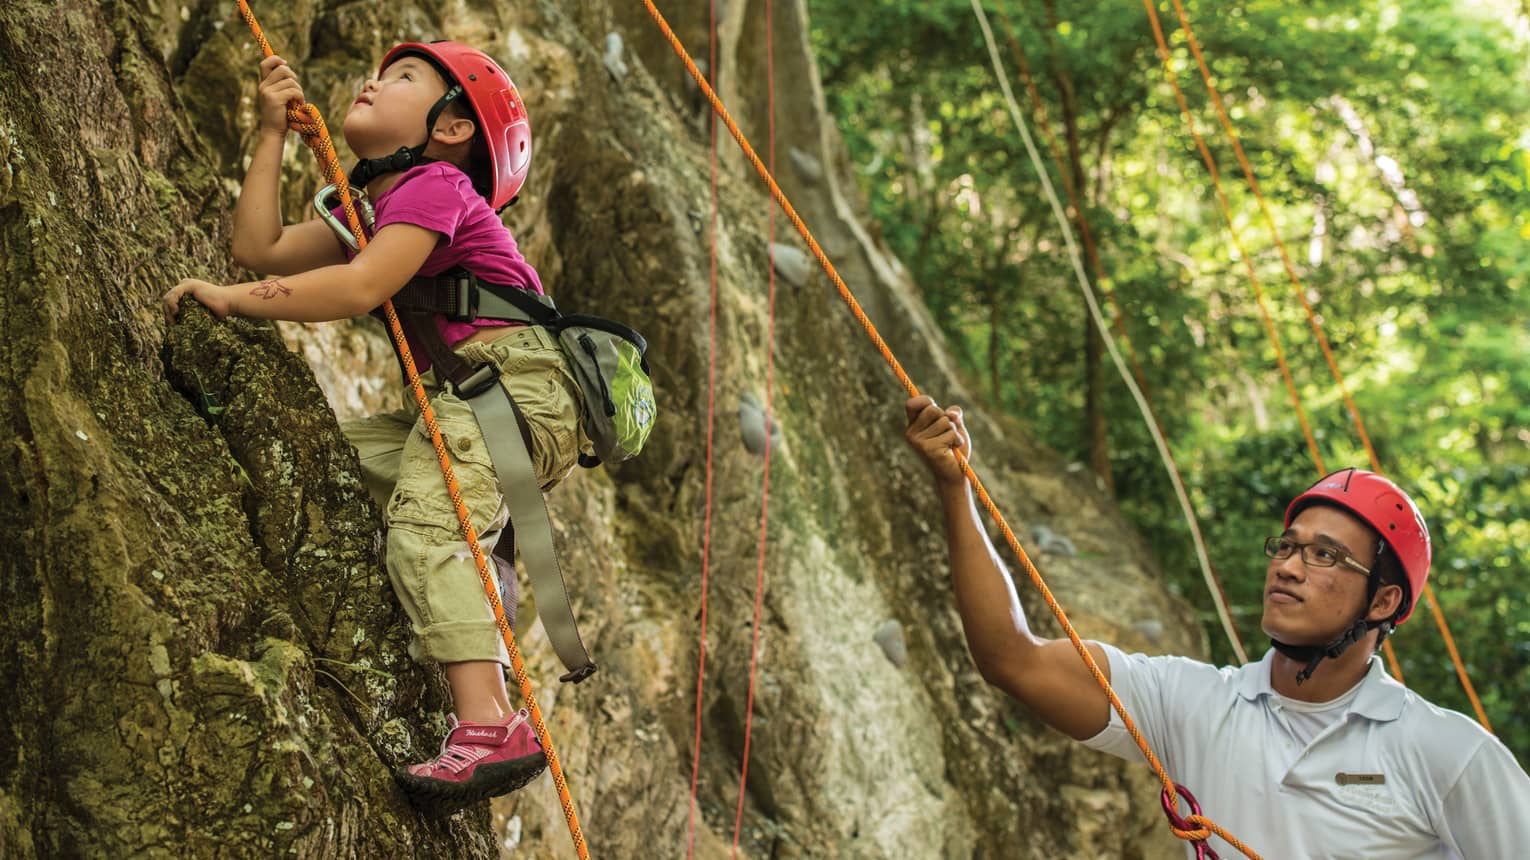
{"x":496,"y":413}
{"x":463,"y":297}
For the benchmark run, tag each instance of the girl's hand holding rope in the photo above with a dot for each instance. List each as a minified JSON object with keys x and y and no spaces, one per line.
{"x":278,"y":88}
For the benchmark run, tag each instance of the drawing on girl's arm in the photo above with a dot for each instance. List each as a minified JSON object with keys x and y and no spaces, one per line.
{"x":271,"y":289}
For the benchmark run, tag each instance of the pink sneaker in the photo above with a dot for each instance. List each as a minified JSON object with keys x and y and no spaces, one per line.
{"x":477,"y":761}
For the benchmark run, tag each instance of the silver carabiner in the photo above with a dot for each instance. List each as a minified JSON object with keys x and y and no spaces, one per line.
{"x":321,"y":206}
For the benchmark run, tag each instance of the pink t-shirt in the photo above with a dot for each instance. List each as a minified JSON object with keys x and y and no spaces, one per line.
{"x":438,"y":196}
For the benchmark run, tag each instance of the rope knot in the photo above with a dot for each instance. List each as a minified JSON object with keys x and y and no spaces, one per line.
{"x":1191,"y":828}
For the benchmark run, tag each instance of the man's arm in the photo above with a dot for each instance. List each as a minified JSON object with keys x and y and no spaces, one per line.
{"x":1045,"y":675}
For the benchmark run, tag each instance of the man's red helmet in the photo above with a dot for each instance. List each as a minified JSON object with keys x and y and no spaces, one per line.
{"x":1387,"y":509}
{"x":496,"y":103}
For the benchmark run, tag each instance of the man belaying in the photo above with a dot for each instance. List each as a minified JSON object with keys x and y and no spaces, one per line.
{"x":1314,"y":751}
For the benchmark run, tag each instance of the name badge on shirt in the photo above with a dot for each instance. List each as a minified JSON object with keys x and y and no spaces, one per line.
{"x":1360,"y":778}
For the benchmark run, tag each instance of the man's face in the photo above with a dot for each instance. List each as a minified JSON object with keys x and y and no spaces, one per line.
{"x":1305,"y":604}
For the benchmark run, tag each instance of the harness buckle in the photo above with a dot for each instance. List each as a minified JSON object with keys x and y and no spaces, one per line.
{"x":482,"y":379}
{"x":461,"y":299}
{"x":579,"y":674}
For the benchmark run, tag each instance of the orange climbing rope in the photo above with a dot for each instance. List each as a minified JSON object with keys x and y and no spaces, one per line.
{"x":306,"y":120}
{"x":1312,"y":320}
{"x":1214,"y":581}
{"x":1203,"y":827}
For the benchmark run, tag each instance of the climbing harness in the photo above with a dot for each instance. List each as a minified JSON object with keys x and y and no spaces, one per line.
{"x":1206,"y":827}
{"x":1301,"y":293}
{"x":617,"y":414}
{"x":309,"y":123}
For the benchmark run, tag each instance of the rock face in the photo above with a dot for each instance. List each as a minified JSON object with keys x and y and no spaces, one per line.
{"x":201,"y":652}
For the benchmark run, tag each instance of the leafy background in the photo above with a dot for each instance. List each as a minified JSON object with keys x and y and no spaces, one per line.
{"x":1392,"y":144}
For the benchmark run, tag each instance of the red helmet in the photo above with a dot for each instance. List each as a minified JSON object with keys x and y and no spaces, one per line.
{"x":1388,"y":510}
{"x":495,"y":101}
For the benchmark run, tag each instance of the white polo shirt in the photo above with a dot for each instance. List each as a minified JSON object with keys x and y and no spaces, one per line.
{"x":1432,"y":783}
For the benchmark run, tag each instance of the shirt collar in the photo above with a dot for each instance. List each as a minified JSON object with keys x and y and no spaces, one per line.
{"x":1380,"y":698}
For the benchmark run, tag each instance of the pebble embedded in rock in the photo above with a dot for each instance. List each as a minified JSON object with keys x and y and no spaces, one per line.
{"x":752,"y":424}
{"x":1050,"y":542}
{"x":890,"y":637}
{"x":792,"y":264}
{"x":613,"y":57}
{"x":808,"y":167}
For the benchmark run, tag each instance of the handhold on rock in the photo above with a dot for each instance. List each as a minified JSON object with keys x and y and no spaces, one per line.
{"x":890,"y":637}
{"x":613,"y":57}
{"x":808,"y":167}
{"x":1048,"y":541}
{"x":791,"y":264}
{"x":753,"y":425}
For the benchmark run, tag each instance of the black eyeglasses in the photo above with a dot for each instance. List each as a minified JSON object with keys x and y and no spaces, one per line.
{"x":1314,"y":554}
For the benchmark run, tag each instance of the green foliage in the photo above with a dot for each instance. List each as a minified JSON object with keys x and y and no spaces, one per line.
{"x":1392,"y":143}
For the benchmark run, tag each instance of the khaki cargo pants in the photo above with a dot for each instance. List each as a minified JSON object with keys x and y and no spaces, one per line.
{"x":428,"y":560}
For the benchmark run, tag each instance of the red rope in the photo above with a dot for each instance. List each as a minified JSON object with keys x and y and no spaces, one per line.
{"x":770,"y":353}
{"x":706,"y":528}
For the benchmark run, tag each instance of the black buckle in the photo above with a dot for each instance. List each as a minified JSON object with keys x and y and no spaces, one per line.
{"x":579,"y":674}
{"x":480,"y":380}
{"x":461,"y":299}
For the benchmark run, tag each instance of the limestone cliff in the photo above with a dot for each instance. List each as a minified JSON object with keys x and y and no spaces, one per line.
{"x":200,"y":651}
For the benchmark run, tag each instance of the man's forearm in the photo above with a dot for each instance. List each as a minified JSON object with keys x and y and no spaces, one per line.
{"x":992,"y":617}
{"x":258,"y":216}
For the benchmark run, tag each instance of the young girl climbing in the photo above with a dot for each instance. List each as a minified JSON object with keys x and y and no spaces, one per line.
{"x":444,"y":141}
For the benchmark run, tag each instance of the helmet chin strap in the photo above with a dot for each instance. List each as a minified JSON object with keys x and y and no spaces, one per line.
{"x":368,"y":169}
{"x":1314,"y":654}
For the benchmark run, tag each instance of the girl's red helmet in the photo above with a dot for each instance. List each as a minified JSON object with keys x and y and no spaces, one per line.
{"x":1387,"y":509}
{"x":495,"y":101}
